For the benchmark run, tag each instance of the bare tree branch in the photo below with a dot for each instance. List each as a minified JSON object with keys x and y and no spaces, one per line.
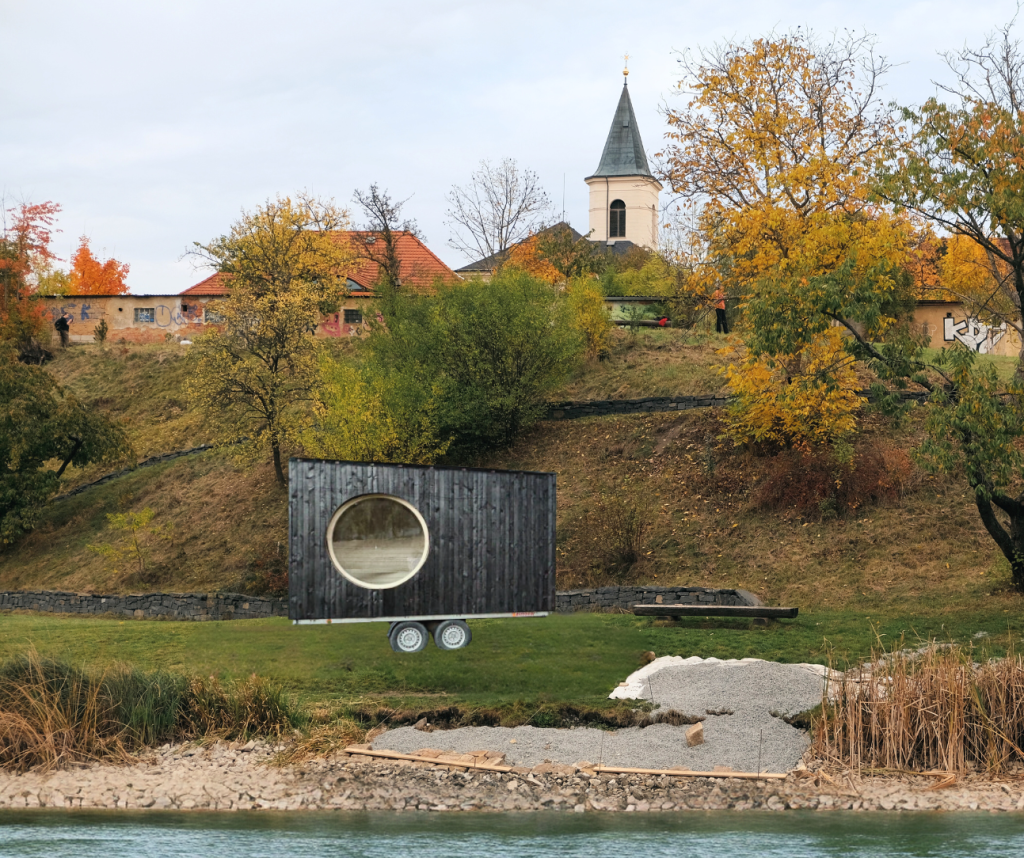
{"x":502,"y":205}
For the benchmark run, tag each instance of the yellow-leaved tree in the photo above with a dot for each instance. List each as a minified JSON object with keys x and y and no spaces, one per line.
{"x":588,"y":314}
{"x":777,"y":144}
{"x":366,"y":416}
{"x":258,"y":377}
{"x":808,"y":398}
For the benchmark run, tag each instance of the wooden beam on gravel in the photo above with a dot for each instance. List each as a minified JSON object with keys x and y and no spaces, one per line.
{"x":686,"y":773}
{"x":449,"y":761}
{"x":714,"y":611}
{"x":434,"y":761}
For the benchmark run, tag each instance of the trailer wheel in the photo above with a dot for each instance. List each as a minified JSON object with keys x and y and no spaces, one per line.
{"x":452,"y":634}
{"x":408,"y":637}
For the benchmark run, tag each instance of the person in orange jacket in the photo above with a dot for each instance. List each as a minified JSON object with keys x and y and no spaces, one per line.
{"x":721,"y":322}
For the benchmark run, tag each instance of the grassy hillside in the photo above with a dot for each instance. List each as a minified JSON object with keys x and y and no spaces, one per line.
{"x":922,"y":549}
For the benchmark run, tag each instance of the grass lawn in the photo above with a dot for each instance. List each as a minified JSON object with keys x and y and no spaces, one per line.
{"x":574,"y":659}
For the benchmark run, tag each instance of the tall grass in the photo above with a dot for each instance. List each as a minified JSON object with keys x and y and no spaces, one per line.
{"x":52,"y":712}
{"x":929,"y":710}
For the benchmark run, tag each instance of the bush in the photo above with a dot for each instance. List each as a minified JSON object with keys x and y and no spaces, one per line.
{"x":483,"y":356}
{"x":818,"y":484}
{"x":588,"y":314}
{"x":620,"y":523}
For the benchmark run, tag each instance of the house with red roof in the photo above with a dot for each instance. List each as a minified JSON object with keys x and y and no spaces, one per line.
{"x":156,"y":318}
{"x":420,"y":269}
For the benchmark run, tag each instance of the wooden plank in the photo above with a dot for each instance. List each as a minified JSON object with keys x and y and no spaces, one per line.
{"x":675,"y":773}
{"x":395,"y":755}
{"x":686,"y":773}
{"x":713,"y":611}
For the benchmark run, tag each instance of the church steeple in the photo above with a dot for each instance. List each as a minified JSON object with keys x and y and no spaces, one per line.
{"x":623,"y":192}
{"x":623,"y":150}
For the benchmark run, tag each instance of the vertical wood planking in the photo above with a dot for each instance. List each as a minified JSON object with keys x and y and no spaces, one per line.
{"x":491,"y":535}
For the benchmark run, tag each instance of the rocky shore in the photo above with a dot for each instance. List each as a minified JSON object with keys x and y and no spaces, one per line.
{"x":229,"y":776}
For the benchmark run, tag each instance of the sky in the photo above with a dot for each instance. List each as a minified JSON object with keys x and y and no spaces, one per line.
{"x":155,"y":125}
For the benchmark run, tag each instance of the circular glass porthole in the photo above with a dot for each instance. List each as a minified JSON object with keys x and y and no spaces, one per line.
{"x":378,"y":541}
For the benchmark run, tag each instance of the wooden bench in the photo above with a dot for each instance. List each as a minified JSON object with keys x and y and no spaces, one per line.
{"x":753,"y":611}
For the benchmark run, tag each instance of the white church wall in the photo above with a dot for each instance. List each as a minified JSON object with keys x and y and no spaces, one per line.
{"x":640,"y":194}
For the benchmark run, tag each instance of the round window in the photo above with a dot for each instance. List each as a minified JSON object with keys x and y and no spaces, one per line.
{"x":377,"y":541}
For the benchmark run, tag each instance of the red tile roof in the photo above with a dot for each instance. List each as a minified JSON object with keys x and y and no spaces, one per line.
{"x":420,"y":267}
{"x":215,"y":284}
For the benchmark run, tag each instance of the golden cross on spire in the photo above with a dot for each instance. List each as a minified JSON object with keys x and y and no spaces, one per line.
{"x":625,"y":71}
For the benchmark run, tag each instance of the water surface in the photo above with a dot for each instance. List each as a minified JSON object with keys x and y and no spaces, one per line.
{"x":87,"y":834}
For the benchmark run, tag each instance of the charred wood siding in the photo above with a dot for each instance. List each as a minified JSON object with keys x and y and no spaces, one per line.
{"x":492,"y":541}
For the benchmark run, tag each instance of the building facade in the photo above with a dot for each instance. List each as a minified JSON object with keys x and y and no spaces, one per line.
{"x":623,"y":192}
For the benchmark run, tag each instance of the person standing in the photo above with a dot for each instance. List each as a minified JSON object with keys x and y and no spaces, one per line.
{"x":63,"y":326}
{"x":721,"y":322}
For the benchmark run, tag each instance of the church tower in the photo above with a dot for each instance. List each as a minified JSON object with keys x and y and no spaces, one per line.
{"x":623,"y":193}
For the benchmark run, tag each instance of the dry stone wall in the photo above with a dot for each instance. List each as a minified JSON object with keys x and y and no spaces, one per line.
{"x":149,"y":606}
{"x":235,"y":606}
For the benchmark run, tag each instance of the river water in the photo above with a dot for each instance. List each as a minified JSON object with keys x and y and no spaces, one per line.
{"x":56,"y":834}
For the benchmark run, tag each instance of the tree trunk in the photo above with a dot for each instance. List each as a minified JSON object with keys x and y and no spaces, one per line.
{"x":278,"y":470}
{"x":1012,"y":543}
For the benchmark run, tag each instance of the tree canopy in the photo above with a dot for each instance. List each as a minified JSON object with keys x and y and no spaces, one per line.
{"x":776,"y":146}
{"x":257,"y":377}
{"x":956,"y":163}
{"x":89,"y":276}
{"x":43,"y":429}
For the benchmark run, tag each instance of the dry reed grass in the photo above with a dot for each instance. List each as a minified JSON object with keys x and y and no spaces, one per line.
{"x":53,"y":713}
{"x":934,"y":709}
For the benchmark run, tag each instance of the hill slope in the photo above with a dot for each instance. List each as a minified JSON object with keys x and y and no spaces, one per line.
{"x":222,"y":527}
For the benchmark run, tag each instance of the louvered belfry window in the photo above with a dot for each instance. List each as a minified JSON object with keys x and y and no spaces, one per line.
{"x":617,"y":225}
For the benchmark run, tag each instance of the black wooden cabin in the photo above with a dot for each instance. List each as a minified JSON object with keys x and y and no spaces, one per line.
{"x":403,"y":542}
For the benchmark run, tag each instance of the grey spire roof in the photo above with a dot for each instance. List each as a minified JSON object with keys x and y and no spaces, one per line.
{"x":624,"y":150}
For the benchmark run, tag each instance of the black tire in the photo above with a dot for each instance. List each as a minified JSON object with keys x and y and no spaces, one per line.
{"x":452,"y":634}
{"x":408,"y":637}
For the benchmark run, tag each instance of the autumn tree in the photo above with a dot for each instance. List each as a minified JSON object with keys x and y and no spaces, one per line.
{"x":526,"y":257}
{"x":957,"y":163}
{"x":571,"y":254}
{"x":43,"y":424}
{"x":257,"y":377}
{"x":502,"y":205}
{"x":24,"y":246}
{"x":976,"y":431}
{"x":776,"y":145}
{"x":378,"y":240}
{"x":89,"y":276}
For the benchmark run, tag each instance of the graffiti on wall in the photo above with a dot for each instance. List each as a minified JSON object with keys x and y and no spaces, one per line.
{"x":163,"y":316}
{"x":974,"y":334}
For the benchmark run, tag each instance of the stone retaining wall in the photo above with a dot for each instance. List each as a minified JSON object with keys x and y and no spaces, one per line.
{"x":150,"y":606}
{"x":234,"y":606}
{"x":606,"y":407}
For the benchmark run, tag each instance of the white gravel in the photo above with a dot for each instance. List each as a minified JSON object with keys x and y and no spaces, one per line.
{"x":753,"y":738}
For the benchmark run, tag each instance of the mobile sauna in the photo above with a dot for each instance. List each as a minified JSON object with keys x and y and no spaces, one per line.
{"x":422,"y":548}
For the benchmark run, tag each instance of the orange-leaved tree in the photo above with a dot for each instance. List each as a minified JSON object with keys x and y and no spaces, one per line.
{"x":24,"y":246}
{"x":89,"y":276}
{"x":777,"y":143}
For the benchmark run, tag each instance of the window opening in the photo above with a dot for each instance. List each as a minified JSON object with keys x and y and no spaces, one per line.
{"x":617,"y":226}
{"x":353,"y":317}
{"x":145,"y":314}
{"x":378,"y":541}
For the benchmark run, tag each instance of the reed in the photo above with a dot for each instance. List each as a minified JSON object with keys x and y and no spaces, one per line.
{"x":53,"y":713}
{"x":927,"y":710}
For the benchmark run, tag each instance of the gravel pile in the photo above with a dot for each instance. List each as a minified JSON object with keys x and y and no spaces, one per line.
{"x":748,"y":735}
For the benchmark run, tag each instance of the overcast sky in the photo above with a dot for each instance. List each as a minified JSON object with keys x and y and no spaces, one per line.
{"x":153,"y":125}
